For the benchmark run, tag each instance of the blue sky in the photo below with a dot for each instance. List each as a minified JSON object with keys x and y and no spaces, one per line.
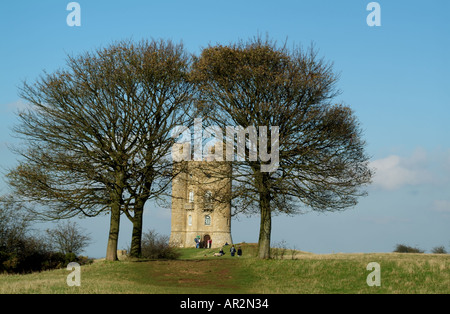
{"x":394,"y":76}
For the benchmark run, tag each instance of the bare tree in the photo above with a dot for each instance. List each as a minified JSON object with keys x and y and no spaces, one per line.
{"x":96,"y":134}
{"x":14,"y":222}
{"x":166,"y":103}
{"x":68,"y":237}
{"x":322,"y":165}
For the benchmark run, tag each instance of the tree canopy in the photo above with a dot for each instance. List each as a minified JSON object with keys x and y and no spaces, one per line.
{"x":97,"y":135}
{"x":322,"y":164}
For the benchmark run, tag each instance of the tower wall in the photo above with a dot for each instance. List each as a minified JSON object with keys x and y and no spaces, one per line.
{"x":201,"y":178}
{"x":178,"y":224}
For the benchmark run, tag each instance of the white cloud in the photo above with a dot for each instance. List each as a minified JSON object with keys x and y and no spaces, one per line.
{"x":15,"y":106}
{"x":446,"y":160}
{"x":441,"y":206}
{"x":385,"y":220}
{"x":394,"y":172}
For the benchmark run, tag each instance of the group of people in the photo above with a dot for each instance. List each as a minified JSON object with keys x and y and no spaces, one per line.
{"x":233,"y":251}
{"x":207,"y":244}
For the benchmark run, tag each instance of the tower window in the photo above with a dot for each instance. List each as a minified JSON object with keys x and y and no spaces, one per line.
{"x":208,"y":197}
{"x":191,"y":196}
{"x":207,"y":220}
{"x":190,"y":220}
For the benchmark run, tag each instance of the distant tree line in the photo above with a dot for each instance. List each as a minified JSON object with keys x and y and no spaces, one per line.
{"x":22,"y":250}
{"x":403,"y":248}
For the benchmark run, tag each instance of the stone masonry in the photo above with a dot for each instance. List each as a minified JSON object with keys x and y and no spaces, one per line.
{"x":201,"y":205}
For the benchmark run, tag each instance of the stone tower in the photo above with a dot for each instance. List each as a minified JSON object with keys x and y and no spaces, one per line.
{"x":201,"y":206}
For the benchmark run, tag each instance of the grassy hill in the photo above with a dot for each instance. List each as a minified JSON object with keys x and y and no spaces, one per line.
{"x":198,"y":271}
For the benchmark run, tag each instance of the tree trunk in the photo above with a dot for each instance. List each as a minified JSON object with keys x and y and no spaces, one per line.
{"x":265,"y":231}
{"x":116,"y":204}
{"x":265,"y":227}
{"x":111,"y":250}
{"x":136,"y":238}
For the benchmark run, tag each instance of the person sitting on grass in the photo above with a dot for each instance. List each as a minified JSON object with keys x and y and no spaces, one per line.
{"x":232,"y":250}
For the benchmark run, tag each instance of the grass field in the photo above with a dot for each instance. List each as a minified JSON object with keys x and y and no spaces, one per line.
{"x":197,"y":271}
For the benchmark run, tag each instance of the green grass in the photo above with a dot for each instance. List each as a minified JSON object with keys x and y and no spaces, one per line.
{"x":347,"y":273}
{"x":196,"y":273}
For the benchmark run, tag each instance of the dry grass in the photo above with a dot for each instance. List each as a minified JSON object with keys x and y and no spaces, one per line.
{"x":197,"y":273}
{"x":347,"y":273}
